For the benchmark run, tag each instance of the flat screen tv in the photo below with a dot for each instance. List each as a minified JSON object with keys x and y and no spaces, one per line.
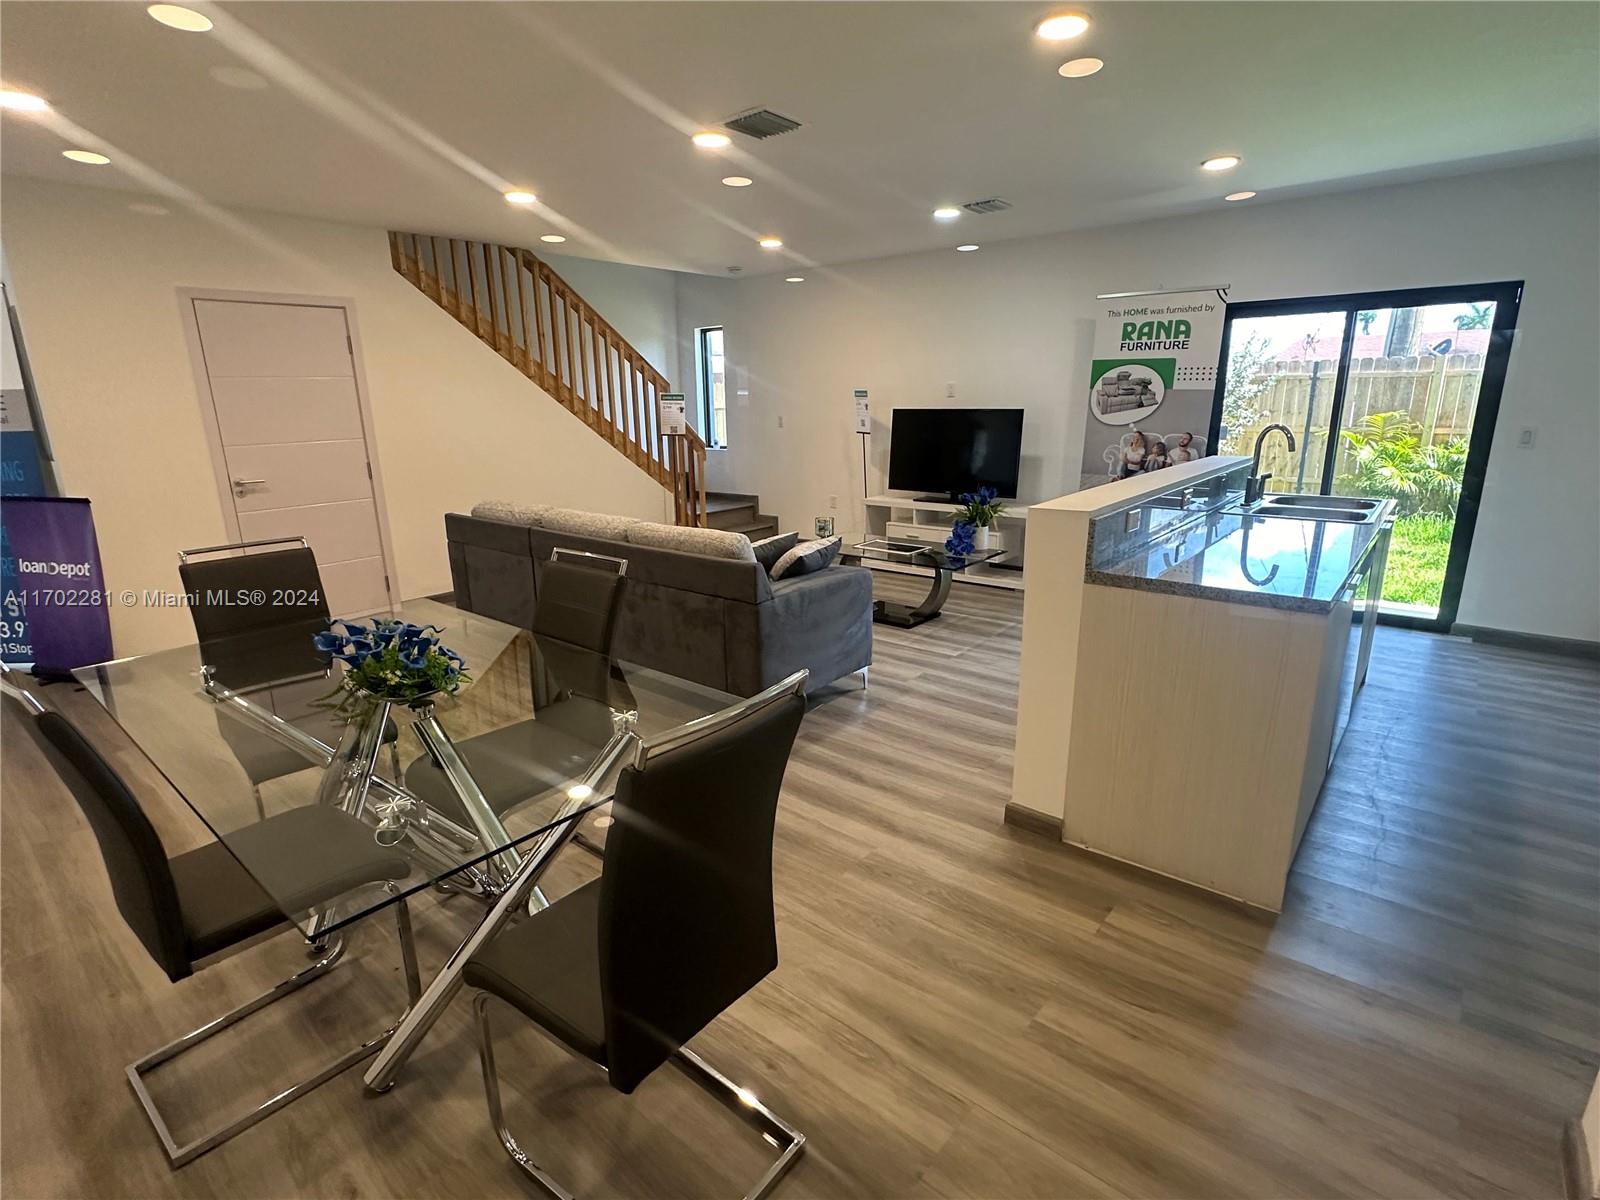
{"x":947,"y":451}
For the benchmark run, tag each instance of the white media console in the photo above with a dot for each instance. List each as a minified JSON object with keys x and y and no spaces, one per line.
{"x":909,"y":519}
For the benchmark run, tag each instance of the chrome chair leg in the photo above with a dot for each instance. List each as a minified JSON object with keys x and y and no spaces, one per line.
{"x":180,"y":1155}
{"x":790,"y":1141}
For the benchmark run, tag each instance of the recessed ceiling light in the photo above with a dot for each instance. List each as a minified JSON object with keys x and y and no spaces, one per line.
{"x":946,"y":214}
{"x":551,"y":238}
{"x":736,"y":181}
{"x":1062,"y":27}
{"x":175,"y":16}
{"x":149,"y":210}
{"x":1238,"y":195}
{"x":521,"y":198}
{"x":86,"y":156}
{"x":1080,"y":68}
{"x":967,"y":249}
{"x":795,"y":279}
{"x":710,"y":139}
{"x":771,"y":243}
{"x":22,"y":102}
{"x":1221,"y":162}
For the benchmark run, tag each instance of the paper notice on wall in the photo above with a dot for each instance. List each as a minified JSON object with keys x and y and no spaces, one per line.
{"x":1151,"y":383}
{"x":863,"y":416}
{"x":674,"y":414}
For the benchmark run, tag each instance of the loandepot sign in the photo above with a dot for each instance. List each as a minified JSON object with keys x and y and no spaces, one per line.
{"x":1151,"y":383}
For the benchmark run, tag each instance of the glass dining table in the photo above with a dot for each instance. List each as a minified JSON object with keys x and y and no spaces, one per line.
{"x":477,"y":790}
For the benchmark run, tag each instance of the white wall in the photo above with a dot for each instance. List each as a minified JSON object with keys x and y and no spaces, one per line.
{"x":640,"y":303}
{"x":97,"y":285}
{"x":1010,"y":325}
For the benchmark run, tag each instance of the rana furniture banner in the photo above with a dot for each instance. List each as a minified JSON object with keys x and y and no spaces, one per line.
{"x":1151,"y":383}
{"x":54,"y":611}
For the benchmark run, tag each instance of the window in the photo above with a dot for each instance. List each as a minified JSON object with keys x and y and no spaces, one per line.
{"x":1389,"y":394}
{"x":713,"y":387}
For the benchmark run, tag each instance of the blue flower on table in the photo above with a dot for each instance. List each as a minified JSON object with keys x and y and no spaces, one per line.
{"x":962,"y":540}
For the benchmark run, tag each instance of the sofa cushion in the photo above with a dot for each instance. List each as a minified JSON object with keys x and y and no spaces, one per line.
{"x":713,"y":543}
{"x":769,"y":550}
{"x":588,"y":524}
{"x":807,"y":557}
{"x":511,"y":512}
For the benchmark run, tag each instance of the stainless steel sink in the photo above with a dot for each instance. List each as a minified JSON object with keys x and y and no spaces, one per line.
{"x":1306,"y":512}
{"x":1348,"y":510}
{"x":1284,"y":500}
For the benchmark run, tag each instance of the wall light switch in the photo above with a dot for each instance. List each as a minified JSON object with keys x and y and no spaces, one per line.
{"x":950,"y":391}
{"x":833,"y":502}
{"x":780,"y":420}
{"x":1525,"y":438}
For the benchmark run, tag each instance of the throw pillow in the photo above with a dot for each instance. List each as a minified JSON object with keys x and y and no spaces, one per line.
{"x":807,"y":557}
{"x":769,"y":550}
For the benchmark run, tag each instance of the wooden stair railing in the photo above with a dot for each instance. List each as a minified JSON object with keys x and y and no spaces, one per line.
{"x":537,"y":323}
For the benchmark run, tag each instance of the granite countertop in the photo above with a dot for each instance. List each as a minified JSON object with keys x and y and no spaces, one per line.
{"x":1276,"y":562}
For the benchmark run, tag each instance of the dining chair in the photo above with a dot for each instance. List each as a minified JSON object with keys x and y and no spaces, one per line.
{"x":580,"y":595}
{"x":679,"y":925}
{"x":245,"y":593}
{"x":248,"y":644}
{"x":190,"y":910}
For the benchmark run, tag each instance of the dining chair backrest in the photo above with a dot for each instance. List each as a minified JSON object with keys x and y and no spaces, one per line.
{"x":578,"y":603}
{"x":135,"y":860}
{"x":685,"y":920}
{"x":244,"y":593}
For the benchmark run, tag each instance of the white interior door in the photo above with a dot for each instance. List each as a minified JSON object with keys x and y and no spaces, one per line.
{"x":283,"y":386}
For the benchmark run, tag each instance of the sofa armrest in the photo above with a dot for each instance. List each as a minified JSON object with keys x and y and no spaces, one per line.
{"x":821,"y":621}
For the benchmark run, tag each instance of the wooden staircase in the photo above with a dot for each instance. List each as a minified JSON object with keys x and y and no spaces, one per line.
{"x":740,"y":513}
{"x":538,"y":324}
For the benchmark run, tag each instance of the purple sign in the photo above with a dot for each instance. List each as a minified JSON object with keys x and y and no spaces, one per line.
{"x":54,"y":605}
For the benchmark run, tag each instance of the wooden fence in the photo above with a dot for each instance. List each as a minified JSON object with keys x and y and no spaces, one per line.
{"x":1438,"y":393}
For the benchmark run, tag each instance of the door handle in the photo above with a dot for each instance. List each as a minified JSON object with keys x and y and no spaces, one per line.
{"x":239,"y":485}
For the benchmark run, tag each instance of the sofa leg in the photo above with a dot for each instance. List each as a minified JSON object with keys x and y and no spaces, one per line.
{"x":864,"y":672}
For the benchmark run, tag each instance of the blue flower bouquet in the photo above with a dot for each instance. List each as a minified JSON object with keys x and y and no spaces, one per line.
{"x":391,"y":660}
{"x":962,"y":540}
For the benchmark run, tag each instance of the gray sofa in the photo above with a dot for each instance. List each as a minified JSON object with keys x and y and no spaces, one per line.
{"x":696,"y":604}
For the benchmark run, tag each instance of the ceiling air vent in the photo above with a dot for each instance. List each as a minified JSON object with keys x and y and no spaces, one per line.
{"x":761,"y":123}
{"x":992,"y":205}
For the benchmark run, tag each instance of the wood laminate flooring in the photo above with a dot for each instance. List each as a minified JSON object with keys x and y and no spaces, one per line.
{"x":962,"y":1009}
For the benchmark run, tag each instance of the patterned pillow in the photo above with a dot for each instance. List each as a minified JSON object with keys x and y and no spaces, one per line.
{"x":769,"y":550}
{"x":807,"y":557}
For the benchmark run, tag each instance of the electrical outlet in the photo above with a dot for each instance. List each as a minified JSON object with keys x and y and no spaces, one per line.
{"x":780,"y":420}
{"x":1132,"y":521}
{"x":1526,"y":437}
{"x":833,"y":502}
{"x":949,"y":391}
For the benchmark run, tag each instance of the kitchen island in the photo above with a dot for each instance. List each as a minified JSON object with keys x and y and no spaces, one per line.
{"x":1188,"y":667}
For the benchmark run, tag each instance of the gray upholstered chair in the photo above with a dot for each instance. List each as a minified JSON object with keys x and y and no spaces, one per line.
{"x":580,"y":595}
{"x":287,"y":580}
{"x":192,"y":909}
{"x":250,"y":646}
{"x":628,"y":968}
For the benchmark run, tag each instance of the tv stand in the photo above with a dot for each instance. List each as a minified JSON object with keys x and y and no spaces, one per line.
{"x":928,"y":519}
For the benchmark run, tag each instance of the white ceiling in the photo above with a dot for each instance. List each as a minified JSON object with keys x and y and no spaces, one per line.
{"x":415,"y":115}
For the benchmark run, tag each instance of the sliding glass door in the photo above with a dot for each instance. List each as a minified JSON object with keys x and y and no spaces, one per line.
{"x":1390,"y":394}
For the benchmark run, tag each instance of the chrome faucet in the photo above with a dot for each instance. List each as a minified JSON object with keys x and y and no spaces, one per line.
{"x":1255,"y":487}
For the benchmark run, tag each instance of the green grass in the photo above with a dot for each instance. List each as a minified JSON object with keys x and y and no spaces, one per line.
{"x":1417,"y":556}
